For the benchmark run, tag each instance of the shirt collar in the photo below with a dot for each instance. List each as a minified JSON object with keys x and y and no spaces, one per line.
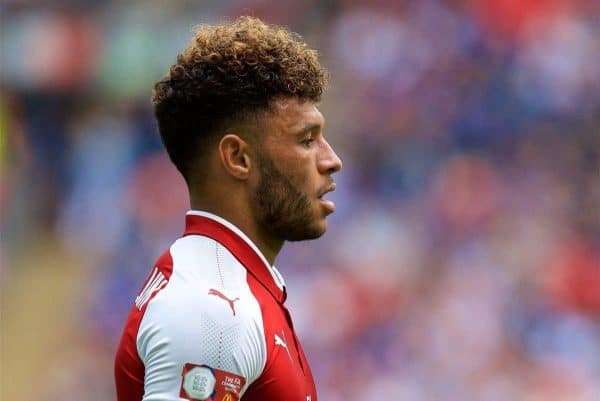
{"x":243,"y":249}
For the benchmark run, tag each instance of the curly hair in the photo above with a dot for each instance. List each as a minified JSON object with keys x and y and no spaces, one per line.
{"x":227,"y":73}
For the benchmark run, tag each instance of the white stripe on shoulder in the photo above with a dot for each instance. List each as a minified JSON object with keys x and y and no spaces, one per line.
{"x":156,"y":281}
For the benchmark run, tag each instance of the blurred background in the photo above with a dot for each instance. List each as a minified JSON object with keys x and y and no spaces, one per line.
{"x":463,"y":262}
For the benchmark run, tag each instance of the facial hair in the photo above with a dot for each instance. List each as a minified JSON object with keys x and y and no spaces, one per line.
{"x":280,"y":207}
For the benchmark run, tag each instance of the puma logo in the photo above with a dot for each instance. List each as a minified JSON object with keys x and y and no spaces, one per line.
{"x":281,"y":342}
{"x":219,"y":294}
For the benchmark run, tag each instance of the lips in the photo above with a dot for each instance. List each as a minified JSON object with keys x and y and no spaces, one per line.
{"x":327,"y":204}
{"x":327,"y":189}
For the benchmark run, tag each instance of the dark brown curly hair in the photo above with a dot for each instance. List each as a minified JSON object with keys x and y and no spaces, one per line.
{"x":227,"y":74}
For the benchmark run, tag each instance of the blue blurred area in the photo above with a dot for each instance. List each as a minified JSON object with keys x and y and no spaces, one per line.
{"x":464,"y":260}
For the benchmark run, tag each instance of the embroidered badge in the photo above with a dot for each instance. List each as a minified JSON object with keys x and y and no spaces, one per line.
{"x":201,"y":382}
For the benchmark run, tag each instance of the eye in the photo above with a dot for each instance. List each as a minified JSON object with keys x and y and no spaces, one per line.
{"x":308,"y":141}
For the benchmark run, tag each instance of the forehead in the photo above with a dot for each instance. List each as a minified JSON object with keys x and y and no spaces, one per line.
{"x":291,"y":115}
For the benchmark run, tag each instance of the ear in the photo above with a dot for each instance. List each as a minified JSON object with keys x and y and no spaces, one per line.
{"x":234,"y":155}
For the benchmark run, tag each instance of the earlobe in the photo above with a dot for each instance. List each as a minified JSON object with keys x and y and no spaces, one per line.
{"x":235,"y":159}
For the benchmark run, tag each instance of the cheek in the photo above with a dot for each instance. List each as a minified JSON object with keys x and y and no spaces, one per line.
{"x":300,"y":170}
{"x":298,"y":165}
{"x":302,"y":179}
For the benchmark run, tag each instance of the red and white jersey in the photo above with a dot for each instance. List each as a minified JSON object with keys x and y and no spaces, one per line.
{"x":210,"y":324}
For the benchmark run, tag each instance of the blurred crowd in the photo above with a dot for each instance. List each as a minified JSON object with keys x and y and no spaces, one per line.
{"x":463,"y":263}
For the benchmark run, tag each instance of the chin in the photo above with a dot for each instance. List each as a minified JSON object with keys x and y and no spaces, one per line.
{"x":313,"y":231}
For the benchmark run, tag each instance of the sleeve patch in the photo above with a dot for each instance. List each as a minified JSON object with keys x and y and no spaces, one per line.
{"x":201,"y":382}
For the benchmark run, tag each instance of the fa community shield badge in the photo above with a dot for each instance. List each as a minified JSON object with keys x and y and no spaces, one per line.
{"x":199,"y":383}
{"x":202,"y":382}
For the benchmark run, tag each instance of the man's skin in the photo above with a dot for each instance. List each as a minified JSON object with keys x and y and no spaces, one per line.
{"x":272,"y":187}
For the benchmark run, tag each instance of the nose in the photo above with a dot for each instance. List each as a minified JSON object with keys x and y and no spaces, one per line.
{"x":329,"y":162}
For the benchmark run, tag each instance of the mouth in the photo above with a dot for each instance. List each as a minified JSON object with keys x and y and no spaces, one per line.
{"x":326,"y":203}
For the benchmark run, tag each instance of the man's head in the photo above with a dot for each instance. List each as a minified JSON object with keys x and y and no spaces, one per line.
{"x":243,"y":96}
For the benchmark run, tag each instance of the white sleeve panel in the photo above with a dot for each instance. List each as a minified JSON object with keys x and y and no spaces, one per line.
{"x":184,"y":323}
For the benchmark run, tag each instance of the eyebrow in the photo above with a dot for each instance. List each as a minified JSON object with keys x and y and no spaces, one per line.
{"x":308,"y":128}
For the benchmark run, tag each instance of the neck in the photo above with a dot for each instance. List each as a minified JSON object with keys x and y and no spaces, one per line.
{"x":239,"y":214}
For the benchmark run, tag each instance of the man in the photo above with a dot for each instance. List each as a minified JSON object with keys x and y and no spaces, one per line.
{"x":237,"y":116}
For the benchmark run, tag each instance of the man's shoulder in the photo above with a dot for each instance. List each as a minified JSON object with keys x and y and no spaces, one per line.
{"x":204,"y":305}
{"x":202,"y":309}
{"x":203,"y":279}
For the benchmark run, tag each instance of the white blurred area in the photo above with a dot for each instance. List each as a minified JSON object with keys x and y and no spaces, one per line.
{"x":463,"y":262}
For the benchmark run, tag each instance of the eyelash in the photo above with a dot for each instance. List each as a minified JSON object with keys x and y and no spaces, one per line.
{"x":308,"y":141}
